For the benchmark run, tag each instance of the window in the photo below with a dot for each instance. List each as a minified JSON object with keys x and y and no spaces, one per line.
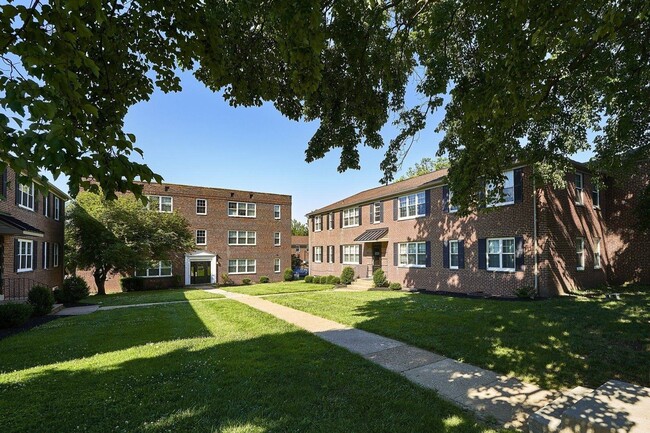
{"x":242,"y":266}
{"x":26,"y":196}
{"x":412,"y":254}
{"x":46,"y":251}
{"x":351,"y":217}
{"x":595,"y":196}
{"x":580,"y":254}
{"x":55,"y":255}
{"x":453,"y":254}
{"x":241,"y":237}
{"x":330,"y":221}
{"x":351,"y":254}
{"x":201,"y":206}
{"x":579,"y":186}
{"x":318,"y":223}
{"x":298,"y":249}
{"x":239,"y":209}
{"x":318,"y":254}
{"x":24,"y":256}
{"x":276,"y":239}
{"x":162,"y":268}
{"x":501,"y":254}
{"x":46,"y":205}
{"x":160,"y":203}
{"x":276,"y":211}
{"x":57,"y":208}
{"x":412,"y":206}
{"x":597,"y":253}
{"x":330,"y":254}
{"x":276,"y":265}
{"x":376,"y":212}
{"x":508,"y":192}
{"x":201,"y":237}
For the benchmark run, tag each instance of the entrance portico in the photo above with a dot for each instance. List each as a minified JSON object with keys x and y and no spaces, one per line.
{"x":200,"y":268}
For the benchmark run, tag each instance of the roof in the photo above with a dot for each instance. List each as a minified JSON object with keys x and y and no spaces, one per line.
{"x":393,"y":189}
{"x":299,"y":240}
{"x":12,"y":225}
{"x":372,"y":235}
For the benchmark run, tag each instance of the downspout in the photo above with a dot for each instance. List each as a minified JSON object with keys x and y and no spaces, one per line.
{"x":536,"y":266}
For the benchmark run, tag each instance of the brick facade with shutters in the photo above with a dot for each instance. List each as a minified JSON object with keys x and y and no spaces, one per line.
{"x":560,"y":222}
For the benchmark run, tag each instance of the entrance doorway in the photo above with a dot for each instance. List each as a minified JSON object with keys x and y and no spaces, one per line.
{"x":200,"y":272}
{"x":376,"y":256}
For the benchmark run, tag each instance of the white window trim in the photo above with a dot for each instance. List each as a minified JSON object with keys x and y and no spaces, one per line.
{"x":450,"y":207}
{"x":597,"y":254}
{"x":487,"y":255}
{"x":55,"y":255}
{"x":580,"y":199}
{"x":160,"y":197}
{"x":237,"y":266}
{"x":350,"y":254}
{"x":417,"y":205}
{"x":509,"y":174}
{"x":358,"y":217}
{"x":330,"y":254}
{"x":376,"y":211}
{"x":205,"y":236}
{"x":46,"y":205}
{"x":160,"y":267}
{"x":31,"y":255}
{"x":581,"y":265}
{"x":450,"y":254}
{"x":205,"y":206}
{"x":32,"y":195}
{"x":246,"y":237}
{"x":57,"y":208}
{"x":319,"y":249}
{"x":318,"y":227}
{"x":595,"y":189}
{"x":277,"y":264}
{"x":45,"y":254}
{"x":406,"y":265}
{"x":330,"y":221}
{"x":279,"y":211}
{"x":237,"y":209}
{"x":277,"y":241}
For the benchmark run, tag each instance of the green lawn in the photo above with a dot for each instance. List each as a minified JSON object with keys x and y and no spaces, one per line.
{"x":146,"y":297}
{"x":284,"y":287}
{"x":555,"y":343}
{"x":203,"y":367}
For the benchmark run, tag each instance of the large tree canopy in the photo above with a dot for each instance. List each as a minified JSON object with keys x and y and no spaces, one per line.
{"x":518,"y":80}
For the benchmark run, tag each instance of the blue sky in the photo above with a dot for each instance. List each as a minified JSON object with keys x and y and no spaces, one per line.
{"x":194,"y":137}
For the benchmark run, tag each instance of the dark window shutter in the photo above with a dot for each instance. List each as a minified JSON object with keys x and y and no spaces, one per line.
{"x":34,"y":255}
{"x":44,"y":255}
{"x":372,"y":213}
{"x":51,"y":254}
{"x":427,"y":202}
{"x":4,"y":183}
{"x":45,"y":197}
{"x":519,"y":185}
{"x":16,"y":258}
{"x":395,"y":208}
{"x":482,"y":251}
{"x":461,"y":254}
{"x":519,"y":253}
{"x":17,"y":187}
{"x":427,"y":245}
{"x":361,"y":254}
{"x":396,"y":254}
{"x":445,"y":254}
{"x":36,"y":199}
{"x":50,"y":204}
{"x":333,"y":254}
{"x":445,"y":198}
{"x":341,"y":219}
{"x":381,"y":211}
{"x":341,"y":254}
{"x":360,"y":214}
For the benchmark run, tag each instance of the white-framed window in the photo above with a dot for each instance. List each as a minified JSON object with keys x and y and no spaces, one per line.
{"x":239,"y":237}
{"x":46,"y":252}
{"x":242,"y":266}
{"x":412,"y":254}
{"x":46,"y":205}
{"x":57,"y":208}
{"x":162,"y":268}
{"x":597,"y":253}
{"x":452,"y":207}
{"x":351,"y":217}
{"x":242,"y":209}
{"x":579,"y":188}
{"x":376,"y":212}
{"x":580,"y":254}
{"x":501,"y":254}
{"x":318,"y":254}
{"x":318,"y":223}
{"x":595,"y":196}
{"x":453,"y":254}
{"x":330,"y":221}
{"x":276,"y":265}
{"x":25,"y":255}
{"x":276,"y":238}
{"x":330,"y":254}
{"x":277,"y":210}
{"x":161,"y":203}
{"x":55,"y":255}
{"x":508,"y":192}
{"x":201,"y":237}
{"x":26,"y":196}
{"x":351,"y":254}
{"x":201,"y":206}
{"x":412,"y":206}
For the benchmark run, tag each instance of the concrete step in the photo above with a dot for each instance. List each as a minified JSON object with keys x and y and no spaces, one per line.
{"x":549,"y":418}
{"x":56,"y":308}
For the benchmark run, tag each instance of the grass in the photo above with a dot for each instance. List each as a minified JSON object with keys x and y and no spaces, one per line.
{"x":557,"y":343}
{"x":208,"y":367}
{"x":283,"y":287}
{"x":152,"y":296}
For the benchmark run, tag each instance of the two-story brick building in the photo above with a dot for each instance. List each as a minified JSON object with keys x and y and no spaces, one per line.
{"x":547,"y":239}
{"x":244,"y":234}
{"x":31,"y":236}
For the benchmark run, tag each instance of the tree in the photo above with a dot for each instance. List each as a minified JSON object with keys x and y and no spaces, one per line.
{"x":120,"y":236}
{"x":426,"y":165}
{"x":298,"y":228}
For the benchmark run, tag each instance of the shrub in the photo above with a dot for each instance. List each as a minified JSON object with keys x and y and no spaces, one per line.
{"x":178,"y":281}
{"x":316,"y":279}
{"x":41,"y":298}
{"x":226,"y":280}
{"x":330,"y":279}
{"x":379,"y":278}
{"x":309,"y":279}
{"x":12,"y":315}
{"x":288,"y":274}
{"x":246,"y":281}
{"x":336,"y":280}
{"x":132,"y":284}
{"x":264,"y":280}
{"x":525,"y":292}
{"x":347,"y":275}
{"x":395,"y":286}
{"x":73,"y":289}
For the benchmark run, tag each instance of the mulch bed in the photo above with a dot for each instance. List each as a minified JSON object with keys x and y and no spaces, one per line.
{"x":31,"y":323}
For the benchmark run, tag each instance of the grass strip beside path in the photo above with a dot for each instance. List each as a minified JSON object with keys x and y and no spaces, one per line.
{"x":274,"y":288}
{"x":149,"y":296}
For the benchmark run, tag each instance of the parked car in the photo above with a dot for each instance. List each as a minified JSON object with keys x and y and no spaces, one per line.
{"x":299,"y":273}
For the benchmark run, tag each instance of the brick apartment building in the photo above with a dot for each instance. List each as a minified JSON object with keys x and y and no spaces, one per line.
{"x":31,"y":233}
{"x":300,"y":248}
{"x":551,"y":240}
{"x":242,"y":233}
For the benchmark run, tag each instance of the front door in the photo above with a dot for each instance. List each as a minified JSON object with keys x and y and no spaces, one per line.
{"x":199,"y":272}
{"x":376,"y":256}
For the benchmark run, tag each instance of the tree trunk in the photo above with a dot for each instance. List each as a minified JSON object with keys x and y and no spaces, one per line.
{"x":100,"y":279}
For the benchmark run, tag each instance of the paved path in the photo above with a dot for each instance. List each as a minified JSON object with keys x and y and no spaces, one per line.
{"x":489,"y":395}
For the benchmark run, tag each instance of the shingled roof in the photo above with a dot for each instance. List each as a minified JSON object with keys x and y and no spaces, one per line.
{"x":386,"y":191}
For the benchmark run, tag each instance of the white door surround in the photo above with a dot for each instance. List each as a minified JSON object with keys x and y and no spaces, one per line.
{"x":201,"y":256}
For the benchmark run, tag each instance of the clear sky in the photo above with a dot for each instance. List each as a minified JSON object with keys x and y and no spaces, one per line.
{"x":194,"y":137}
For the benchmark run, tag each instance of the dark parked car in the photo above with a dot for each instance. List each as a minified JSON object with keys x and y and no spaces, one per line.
{"x":299,"y":273}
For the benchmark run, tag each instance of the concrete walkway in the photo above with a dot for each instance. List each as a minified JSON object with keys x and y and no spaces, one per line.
{"x":508,"y":401}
